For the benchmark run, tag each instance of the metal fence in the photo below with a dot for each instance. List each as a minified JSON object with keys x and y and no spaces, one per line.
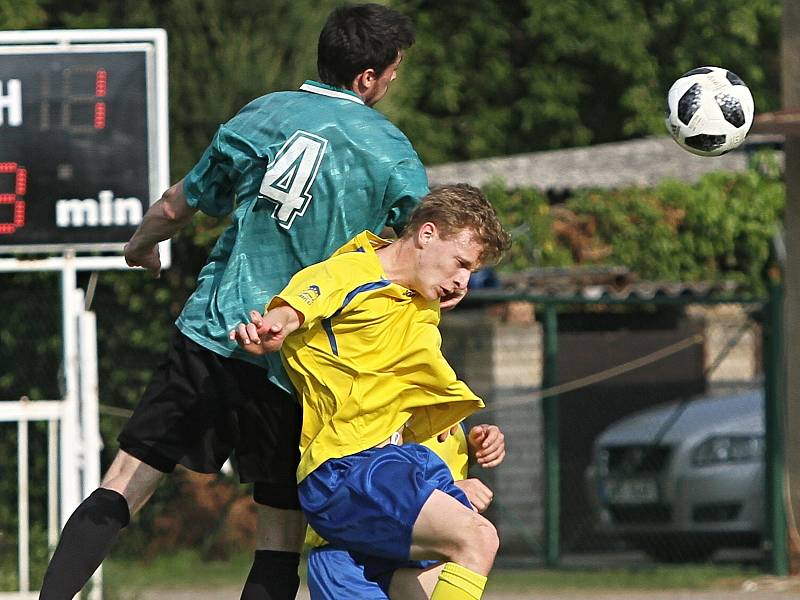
{"x":649,"y":428}
{"x":49,"y":431}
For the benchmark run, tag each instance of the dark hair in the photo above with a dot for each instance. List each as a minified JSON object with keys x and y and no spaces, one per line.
{"x":357,"y":37}
{"x":454,"y":208}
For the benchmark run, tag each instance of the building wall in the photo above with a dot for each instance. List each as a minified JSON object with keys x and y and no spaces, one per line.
{"x":501,"y":361}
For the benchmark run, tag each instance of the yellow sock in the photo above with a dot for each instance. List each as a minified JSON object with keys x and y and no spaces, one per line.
{"x":458,"y":583}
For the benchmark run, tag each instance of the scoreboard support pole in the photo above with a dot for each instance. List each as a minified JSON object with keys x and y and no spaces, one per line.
{"x":70,"y":440}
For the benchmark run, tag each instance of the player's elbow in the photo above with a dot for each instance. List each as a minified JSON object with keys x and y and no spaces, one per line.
{"x":174,"y":206}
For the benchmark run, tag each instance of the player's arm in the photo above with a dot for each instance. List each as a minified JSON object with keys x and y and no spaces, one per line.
{"x":161,"y":221}
{"x":487,"y":445}
{"x":266,"y":333}
{"x":477,"y":492}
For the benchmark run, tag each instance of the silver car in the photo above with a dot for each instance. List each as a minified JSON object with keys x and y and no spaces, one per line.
{"x":681,"y":480}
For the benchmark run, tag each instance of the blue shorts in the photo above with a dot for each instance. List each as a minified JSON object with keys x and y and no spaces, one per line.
{"x":337,"y":574}
{"x":368,"y":502}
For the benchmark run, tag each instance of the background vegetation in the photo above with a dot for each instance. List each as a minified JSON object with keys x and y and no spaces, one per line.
{"x":485,"y":78}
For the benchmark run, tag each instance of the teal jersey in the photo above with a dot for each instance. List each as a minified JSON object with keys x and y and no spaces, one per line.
{"x":302,"y":172}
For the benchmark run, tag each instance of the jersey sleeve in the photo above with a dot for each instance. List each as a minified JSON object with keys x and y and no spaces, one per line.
{"x":319,"y":291}
{"x":211,"y":184}
{"x":408,"y":183}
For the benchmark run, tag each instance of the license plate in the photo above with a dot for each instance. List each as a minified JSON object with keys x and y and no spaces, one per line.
{"x":632,"y":491}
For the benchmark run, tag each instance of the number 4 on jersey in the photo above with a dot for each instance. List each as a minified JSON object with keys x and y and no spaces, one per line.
{"x":288,"y":178}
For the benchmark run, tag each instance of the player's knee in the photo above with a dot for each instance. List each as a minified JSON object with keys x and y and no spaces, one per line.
{"x":477,"y":545}
{"x":489,"y":541}
{"x":132,"y":479}
{"x":279,"y":529}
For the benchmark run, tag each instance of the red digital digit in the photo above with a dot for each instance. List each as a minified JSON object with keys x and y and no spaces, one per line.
{"x":100,"y":83}
{"x":14,"y":198}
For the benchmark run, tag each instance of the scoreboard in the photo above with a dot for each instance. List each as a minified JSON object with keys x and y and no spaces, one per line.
{"x":83,"y":137}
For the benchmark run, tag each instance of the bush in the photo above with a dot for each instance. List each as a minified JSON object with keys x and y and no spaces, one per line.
{"x":720,"y":228}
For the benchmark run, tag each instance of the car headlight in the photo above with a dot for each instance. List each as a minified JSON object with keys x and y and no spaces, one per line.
{"x":722,"y":449}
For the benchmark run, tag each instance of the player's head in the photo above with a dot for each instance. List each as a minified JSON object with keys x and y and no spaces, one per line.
{"x":361,"y":46}
{"x":455,"y":230}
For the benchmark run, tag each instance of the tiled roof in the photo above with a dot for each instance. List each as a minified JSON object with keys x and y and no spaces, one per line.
{"x":643,"y":162}
{"x":594,"y":284}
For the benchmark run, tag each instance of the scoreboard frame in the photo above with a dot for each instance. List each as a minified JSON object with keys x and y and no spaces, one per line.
{"x":112,"y":220}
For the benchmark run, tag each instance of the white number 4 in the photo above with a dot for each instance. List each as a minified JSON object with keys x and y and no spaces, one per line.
{"x":289,"y":177}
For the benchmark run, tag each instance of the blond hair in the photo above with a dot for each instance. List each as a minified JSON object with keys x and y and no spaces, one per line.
{"x":459,"y":207}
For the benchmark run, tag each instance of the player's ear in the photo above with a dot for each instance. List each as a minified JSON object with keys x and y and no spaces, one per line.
{"x":364,"y":81}
{"x":425,"y":234}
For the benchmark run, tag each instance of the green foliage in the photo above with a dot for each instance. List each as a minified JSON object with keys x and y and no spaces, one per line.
{"x":491,"y":78}
{"x":718,"y":229}
{"x":21,"y":14}
{"x":526,"y":214}
{"x":485,"y":78}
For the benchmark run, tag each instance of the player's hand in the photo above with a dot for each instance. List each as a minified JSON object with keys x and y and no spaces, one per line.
{"x":449,"y":301}
{"x":263,"y":334}
{"x":488,"y":445}
{"x":478,"y":494}
{"x":148,"y":258}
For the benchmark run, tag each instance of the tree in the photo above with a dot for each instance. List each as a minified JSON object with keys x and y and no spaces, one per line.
{"x":491,"y":78}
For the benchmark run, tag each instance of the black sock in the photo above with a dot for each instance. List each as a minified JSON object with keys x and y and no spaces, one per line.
{"x":85,"y":542}
{"x":273,"y":576}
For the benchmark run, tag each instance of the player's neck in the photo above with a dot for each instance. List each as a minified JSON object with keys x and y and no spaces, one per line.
{"x":398,"y":260}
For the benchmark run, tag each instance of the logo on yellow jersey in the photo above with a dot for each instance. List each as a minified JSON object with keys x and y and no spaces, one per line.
{"x":310,"y":294}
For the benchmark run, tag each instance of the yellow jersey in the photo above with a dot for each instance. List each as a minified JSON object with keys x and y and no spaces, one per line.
{"x":453,"y":451}
{"x":367,"y":359}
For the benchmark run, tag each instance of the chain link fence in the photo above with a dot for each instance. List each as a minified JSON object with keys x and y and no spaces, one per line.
{"x":657,"y":449}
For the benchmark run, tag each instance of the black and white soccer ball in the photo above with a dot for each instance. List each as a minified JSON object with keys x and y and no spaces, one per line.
{"x":709,"y":111}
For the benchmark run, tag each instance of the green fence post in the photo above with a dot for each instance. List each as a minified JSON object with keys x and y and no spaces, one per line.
{"x":776,"y":533}
{"x":551,"y":454}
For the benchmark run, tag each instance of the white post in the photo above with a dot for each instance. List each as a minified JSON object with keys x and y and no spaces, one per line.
{"x":52,"y":485}
{"x":22,"y":506}
{"x":70,"y":474}
{"x":90,"y":420}
{"x":90,"y":414}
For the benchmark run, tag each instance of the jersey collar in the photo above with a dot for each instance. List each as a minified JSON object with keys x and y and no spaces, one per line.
{"x":315,"y":87}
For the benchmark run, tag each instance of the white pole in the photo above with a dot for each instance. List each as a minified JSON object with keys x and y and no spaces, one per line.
{"x":70,"y":473}
{"x":52,"y":485}
{"x":23,"y":548}
{"x":90,"y":414}
{"x":90,"y":420}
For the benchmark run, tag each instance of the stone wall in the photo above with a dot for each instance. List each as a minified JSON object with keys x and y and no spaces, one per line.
{"x":501,"y":361}
{"x":733,"y":340}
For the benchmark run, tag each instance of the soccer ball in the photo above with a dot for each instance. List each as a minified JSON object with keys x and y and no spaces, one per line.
{"x":709,"y":111}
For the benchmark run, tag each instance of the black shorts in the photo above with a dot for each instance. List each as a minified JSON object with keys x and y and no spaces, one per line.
{"x":200,"y":407}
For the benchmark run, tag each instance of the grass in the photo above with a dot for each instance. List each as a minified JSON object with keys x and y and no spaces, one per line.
{"x":655,"y":577}
{"x":185,"y":569}
{"x":182,"y":569}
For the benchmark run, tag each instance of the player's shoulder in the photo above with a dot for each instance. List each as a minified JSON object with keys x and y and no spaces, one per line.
{"x":353,"y":260}
{"x":270,"y":100}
